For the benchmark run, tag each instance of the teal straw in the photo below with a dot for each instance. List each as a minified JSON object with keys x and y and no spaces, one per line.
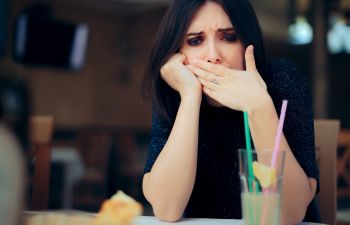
{"x":249,"y":152}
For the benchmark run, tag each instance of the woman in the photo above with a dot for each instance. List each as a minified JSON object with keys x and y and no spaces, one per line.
{"x":14,"y":111}
{"x":207,"y":66}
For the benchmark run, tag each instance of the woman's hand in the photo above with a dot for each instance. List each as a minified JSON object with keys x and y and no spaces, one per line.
{"x":240,"y":90}
{"x":180,"y":78}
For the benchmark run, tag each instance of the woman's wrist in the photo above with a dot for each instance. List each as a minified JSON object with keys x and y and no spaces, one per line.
{"x":264,"y":109}
{"x":191,"y":97}
{"x":262,"y":104}
{"x":263,"y":123}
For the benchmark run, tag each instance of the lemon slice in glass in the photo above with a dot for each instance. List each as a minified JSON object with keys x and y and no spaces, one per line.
{"x":265,"y":175}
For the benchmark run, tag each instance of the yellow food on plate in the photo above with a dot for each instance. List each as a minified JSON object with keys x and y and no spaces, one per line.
{"x":265,"y":175}
{"x":120,"y":209}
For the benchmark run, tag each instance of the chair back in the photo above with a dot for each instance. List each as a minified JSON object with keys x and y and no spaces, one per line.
{"x":95,"y":149}
{"x":326,"y":138}
{"x":343,"y":171}
{"x":40,"y":135}
{"x":343,"y":175}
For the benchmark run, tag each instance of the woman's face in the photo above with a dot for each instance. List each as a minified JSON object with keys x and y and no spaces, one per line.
{"x":211,"y":37}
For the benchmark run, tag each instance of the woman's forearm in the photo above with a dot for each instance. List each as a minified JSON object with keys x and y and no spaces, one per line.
{"x":169,"y":185}
{"x":298,"y":189}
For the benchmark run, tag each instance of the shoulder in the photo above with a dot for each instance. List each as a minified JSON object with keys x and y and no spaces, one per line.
{"x":283,"y":69}
{"x":286,"y":81}
{"x":283,"y":76}
{"x":12,"y":176}
{"x":277,"y":65}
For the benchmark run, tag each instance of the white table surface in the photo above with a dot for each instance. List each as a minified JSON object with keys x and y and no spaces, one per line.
{"x":141,"y":220}
{"x":149,"y":220}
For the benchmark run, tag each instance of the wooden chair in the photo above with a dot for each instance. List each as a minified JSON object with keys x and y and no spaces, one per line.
{"x":40,"y":135}
{"x":343,"y":174}
{"x":343,"y":170}
{"x":94,"y":147}
{"x":326,"y":138}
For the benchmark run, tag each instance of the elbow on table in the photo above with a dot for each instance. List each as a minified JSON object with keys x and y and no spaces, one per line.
{"x":294,"y":217}
{"x":298,"y":218}
{"x":167,"y":214}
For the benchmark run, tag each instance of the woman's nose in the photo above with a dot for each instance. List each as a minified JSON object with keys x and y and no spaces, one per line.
{"x":212,"y":54}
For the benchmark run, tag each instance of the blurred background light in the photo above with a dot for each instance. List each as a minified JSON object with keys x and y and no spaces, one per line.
{"x":300,"y":32}
{"x":338,"y":37}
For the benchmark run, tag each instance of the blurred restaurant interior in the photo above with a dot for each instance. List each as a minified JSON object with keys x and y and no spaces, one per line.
{"x":82,"y":65}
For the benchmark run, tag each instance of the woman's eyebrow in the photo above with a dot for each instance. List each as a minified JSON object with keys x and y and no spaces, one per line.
{"x":219,"y":30}
{"x":194,"y":33}
{"x":226,"y":29}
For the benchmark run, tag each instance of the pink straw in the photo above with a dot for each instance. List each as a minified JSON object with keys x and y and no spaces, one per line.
{"x":279,"y":133}
{"x":263,"y":218}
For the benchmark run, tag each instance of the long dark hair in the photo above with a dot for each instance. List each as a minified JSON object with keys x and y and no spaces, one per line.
{"x":170,"y":38}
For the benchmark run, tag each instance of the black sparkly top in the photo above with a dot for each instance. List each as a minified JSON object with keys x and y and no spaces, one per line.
{"x":216,"y":193}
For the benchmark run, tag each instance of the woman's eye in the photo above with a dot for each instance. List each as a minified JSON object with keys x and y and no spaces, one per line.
{"x":229,"y":37}
{"x":194,"y":41}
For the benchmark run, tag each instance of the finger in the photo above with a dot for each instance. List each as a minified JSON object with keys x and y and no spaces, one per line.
{"x":249,"y":59}
{"x":207,"y":84}
{"x":175,"y":59}
{"x":202,"y":73}
{"x":181,"y":58}
{"x":178,"y":57}
{"x":186,"y":61}
{"x":210,"y":93}
{"x":210,"y":67}
{"x":250,"y":63}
